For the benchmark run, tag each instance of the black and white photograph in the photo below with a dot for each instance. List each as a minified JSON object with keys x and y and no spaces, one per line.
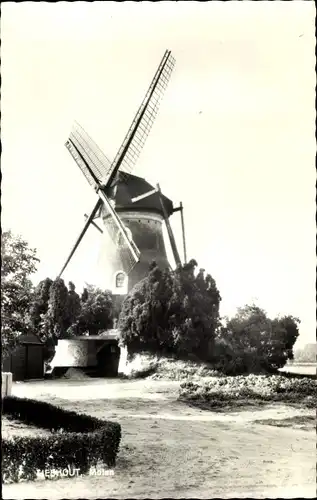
{"x":158,"y":257}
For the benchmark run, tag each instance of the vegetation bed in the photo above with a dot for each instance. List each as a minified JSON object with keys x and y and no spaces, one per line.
{"x":75,"y":441}
{"x":215,"y":392}
{"x":146,"y":365}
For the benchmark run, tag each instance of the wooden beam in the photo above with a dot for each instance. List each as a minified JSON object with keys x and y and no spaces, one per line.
{"x":145,"y":195}
{"x":133,"y":248}
{"x":94,"y":224}
{"x":80,"y":237}
{"x":183,"y":232}
{"x":169,"y":229}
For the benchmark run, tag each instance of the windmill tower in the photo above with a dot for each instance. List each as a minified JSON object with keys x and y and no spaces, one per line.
{"x":132,"y":211}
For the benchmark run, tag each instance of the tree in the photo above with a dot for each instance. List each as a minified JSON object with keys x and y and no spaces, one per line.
{"x":252,"y":342}
{"x":53,"y":310}
{"x":284,"y":335}
{"x":96,"y":313}
{"x":201,"y":309}
{"x":306,"y":354}
{"x":84,"y":295}
{"x":55,"y":321}
{"x":171,"y":312}
{"x":73,"y":304}
{"x":19,"y":261}
{"x":39,"y":304}
{"x":143,"y":321}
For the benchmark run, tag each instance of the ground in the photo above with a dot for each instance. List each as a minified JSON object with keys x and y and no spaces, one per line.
{"x":171,"y":450}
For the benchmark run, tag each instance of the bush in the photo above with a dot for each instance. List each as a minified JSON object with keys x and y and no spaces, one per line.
{"x":166,"y":368}
{"x":251,"y":342}
{"x":96,"y":312}
{"x":77,"y":440}
{"x":171,"y":313}
{"x":306,"y":354}
{"x":140,"y":366}
{"x":258,"y":388}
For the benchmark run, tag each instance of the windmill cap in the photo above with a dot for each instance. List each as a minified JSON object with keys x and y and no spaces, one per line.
{"x":130,"y":186}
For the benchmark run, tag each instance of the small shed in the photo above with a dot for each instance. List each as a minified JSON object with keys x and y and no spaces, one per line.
{"x":26,"y":362}
{"x":99,"y":354}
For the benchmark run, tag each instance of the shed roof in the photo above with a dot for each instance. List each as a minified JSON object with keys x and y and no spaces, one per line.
{"x":30,"y":338}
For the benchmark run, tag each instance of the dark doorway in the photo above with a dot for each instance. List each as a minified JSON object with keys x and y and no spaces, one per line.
{"x":34,"y":362}
{"x":108,"y":360}
{"x":18,"y":363}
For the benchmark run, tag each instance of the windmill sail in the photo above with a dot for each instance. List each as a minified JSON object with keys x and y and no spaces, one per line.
{"x":139,"y":130}
{"x":95,"y":166}
{"x":127,"y":258}
{"x":100,"y":172}
{"x":121,"y":237}
{"x":93,"y":181}
{"x":90,"y":155}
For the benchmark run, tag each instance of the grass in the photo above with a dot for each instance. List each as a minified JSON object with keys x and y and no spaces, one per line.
{"x":172,"y":450}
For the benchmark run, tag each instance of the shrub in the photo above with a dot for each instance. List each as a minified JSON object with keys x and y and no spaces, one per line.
{"x":96,"y":312}
{"x":171,"y":312}
{"x":76,"y":441}
{"x":141,"y":366}
{"x":166,"y":368}
{"x":306,"y":354}
{"x":260,"y":388}
{"x":251,"y":342}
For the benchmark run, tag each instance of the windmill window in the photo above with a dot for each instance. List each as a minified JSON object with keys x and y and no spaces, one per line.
{"x":120,"y":279}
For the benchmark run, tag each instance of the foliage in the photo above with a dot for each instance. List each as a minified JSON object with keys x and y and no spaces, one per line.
{"x":96,"y":313}
{"x":59,"y":312}
{"x":55,"y":321}
{"x":171,"y":313}
{"x":79,"y":441}
{"x":38,"y":310}
{"x":84,"y":295}
{"x":73,"y":304}
{"x":166,"y":368}
{"x":39,"y":305}
{"x":252,"y":342}
{"x":306,"y":354}
{"x":18,"y":262}
{"x":239,"y":390}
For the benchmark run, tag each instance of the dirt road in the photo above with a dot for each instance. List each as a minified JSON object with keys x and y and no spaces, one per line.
{"x":171,"y":450}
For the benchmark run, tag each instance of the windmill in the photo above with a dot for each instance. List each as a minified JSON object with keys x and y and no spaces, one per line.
{"x":131,"y":209}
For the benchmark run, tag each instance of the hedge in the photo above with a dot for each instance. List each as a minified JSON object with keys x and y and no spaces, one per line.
{"x":77,"y":441}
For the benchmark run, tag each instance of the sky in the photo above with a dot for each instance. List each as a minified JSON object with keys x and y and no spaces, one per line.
{"x":234,"y":138}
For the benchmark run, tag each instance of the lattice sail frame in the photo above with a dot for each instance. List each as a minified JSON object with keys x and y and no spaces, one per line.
{"x":96,"y":166}
{"x":141,"y":126}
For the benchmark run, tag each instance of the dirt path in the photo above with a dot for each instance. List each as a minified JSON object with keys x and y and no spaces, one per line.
{"x":171,"y":450}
